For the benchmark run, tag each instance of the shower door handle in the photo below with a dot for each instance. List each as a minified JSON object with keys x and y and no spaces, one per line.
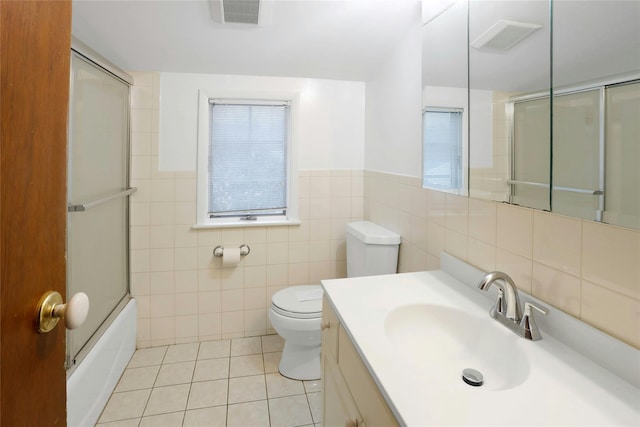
{"x":50,"y":310}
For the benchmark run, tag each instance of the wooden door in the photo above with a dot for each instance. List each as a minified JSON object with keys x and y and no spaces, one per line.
{"x":34,"y":73}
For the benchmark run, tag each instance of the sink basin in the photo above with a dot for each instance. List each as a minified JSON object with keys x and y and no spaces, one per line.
{"x":417,"y":332}
{"x":444,"y":341}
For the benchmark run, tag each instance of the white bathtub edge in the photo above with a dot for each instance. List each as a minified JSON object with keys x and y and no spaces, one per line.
{"x":91,"y":384}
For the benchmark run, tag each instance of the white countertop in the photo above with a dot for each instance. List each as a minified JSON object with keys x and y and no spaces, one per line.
{"x":555,"y":386}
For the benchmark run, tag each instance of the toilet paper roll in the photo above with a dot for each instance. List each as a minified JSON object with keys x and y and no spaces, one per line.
{"x":230,"y":257}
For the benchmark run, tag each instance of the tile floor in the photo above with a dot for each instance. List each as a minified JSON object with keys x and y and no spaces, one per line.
{"x":214,"y":383}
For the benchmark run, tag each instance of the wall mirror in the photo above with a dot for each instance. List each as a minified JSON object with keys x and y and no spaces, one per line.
{"x":509,"y":79}
{"x":445,"y":103}
{"x":596,"y":111}
{"x":553,"y":113}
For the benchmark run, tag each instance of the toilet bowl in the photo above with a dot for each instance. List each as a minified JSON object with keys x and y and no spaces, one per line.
{"x":296,"y":312}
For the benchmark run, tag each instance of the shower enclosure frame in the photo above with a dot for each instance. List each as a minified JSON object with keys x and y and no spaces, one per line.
{"x":601,"y":87}
{"x":88,"y":55}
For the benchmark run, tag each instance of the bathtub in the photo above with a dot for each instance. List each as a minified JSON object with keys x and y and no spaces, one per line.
{"x":91,"y":383}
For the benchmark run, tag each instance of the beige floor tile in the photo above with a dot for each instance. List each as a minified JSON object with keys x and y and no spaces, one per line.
{"x":200,"y":384}
{"x":129,"y":404}
{"x":247,"y":389}
{"x":181,"y":353}
{"x":246,"y":346}
{"x":168,"y":399}
{"x":271,"y":362}
{"x":211,"y":369}
{"x":254,"y":414}
{"x":214,"y":349}
{"x":241,"y":366}
{"x":137,"y":378}
{"x":133,"y":422}
{"x":173,"y":419}
{"x":206,"y":417}
{"x":289,"y":411}
{"x":312,"y":386}
{"x":175,"y":373}
{"x":279,"y":386}
{"x":315,"y":404}
{"x":208,"y":393}
{"x":147,"y":357}
{"x":272,"y":343}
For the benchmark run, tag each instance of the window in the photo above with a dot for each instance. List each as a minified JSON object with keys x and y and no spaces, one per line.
{"x":244,"y":162}
{"x":442,"y":148}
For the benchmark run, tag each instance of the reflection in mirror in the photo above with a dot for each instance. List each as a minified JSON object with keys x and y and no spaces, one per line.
{"x":622,"y":152}
{"x":444,"y":96}
{"x":528,"y":182}
{"x":577,"y":181}
{"x":596,"y":111}
{"x":509,"y":79}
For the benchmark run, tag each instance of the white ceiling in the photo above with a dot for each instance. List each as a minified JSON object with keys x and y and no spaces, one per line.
{"x":333,"y":39}
{"x":348,"y":39}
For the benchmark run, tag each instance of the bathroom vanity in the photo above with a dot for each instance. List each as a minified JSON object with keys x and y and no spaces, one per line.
{"x":350,"y":393}
{"x":394,"y":348}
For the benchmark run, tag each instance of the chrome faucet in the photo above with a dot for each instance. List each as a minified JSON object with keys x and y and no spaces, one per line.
{"x":508,"y":309}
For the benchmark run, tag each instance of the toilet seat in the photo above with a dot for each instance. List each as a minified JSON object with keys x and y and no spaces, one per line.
{"x":294,"y":302}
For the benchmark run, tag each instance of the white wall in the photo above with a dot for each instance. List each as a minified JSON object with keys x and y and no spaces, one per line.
{"x":482,"y":120}
{"x":331,"y":118}
{"x":393,"y":109}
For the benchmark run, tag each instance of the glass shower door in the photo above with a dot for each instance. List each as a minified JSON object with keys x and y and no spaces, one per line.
{"x":577,"y":155}
{"x":97,"y":226}
{"x":530,"y":154}
{"x":622,"y":200}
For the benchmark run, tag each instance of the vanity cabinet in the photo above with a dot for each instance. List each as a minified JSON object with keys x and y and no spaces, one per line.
{"x":350,"y":396}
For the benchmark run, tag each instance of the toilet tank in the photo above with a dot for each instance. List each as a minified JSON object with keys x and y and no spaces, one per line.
{"x":371,"y":249}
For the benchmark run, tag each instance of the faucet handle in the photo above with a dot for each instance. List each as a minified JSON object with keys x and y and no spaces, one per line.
{"x":529,"y":305}
{"x":499,"y":307}
{"x":528,"y":324}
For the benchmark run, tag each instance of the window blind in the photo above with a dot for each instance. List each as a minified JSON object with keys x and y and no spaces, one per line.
{"x":248,"y":158}
{"x":442,"y":133}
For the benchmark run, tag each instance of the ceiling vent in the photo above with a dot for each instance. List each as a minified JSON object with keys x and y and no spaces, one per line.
{"x":504,"y":34}
{"x":253,"y":12}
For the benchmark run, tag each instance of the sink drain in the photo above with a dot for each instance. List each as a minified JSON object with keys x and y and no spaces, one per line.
{"x":472,"y":377}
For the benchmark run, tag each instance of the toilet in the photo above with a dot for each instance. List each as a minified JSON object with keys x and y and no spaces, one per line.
{"x":296,"y":311}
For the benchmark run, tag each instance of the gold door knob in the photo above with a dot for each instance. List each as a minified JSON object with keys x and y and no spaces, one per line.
{"x":325,"y":325}
{"x":51,"y":309}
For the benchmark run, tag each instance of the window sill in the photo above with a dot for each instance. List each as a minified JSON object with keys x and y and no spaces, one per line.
{"x":243,"y":224}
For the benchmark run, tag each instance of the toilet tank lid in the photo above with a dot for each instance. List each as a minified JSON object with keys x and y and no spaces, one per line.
{"x":372,"y":234}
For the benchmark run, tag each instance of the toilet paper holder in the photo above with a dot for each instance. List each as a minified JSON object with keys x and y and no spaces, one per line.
{"x":218,"y":251}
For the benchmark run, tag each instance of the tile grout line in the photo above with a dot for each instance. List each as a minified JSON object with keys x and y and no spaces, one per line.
{"x":264,"y":378}
{"x":193,"y":373}
{"x":226,"y":420}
